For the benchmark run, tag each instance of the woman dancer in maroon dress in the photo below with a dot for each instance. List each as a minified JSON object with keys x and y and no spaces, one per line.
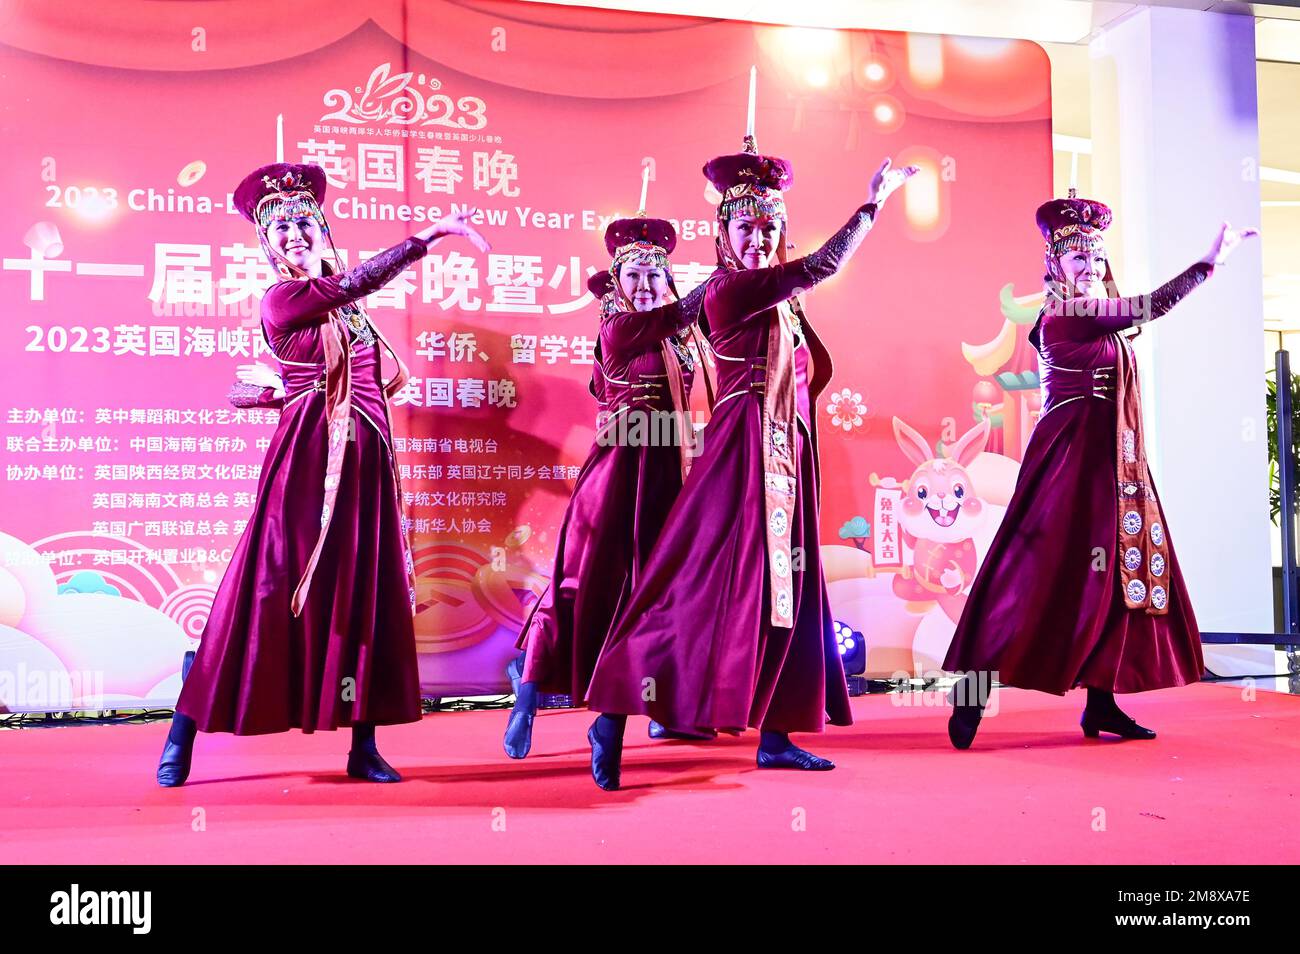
{"x":311,"y":626}
{"x":730,"y":625}
{"x":643,"y":378}
{"x":1080,"y":586}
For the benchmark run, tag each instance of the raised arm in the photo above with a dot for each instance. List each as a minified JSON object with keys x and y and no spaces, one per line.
{"x":1080,"y":319}
{"x":737,"y":296}
{"x":292,"y":304}
{"x":626,"y":333}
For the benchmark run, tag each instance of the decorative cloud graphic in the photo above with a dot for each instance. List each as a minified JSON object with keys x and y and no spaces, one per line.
{"x":857,"y":527}
{"x":88,"y":581}
{"x":83,"y":630}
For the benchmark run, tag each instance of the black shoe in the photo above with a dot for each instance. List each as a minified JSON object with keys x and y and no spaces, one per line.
{"x":174,"y":766}
{"x":794,"y":758}
{"x":966,"y":714}
{"x":368,"y":765}
{"x":1116,"y":723}
{"x":660,"y":731}
{"x":964,"y":721}
{"x":606,"y":759}
{"x":519,"y":733}
{"x":962,"y":726}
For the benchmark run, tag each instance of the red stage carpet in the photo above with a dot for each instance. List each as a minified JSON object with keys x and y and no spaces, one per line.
{"x":1219,"y":785}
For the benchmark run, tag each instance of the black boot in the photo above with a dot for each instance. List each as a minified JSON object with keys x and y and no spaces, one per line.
{"x":364,"y":761}
{"x":606,"y":738}
{"x":660,"y":731}
{"x":174,"y":766}
{"x":775,"y":750}
{"x":967,"y":700}
{"x":519,"y":729}
{"x":1102,"y":714}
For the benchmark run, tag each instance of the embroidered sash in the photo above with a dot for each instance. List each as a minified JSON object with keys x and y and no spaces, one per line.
{"x":1143,"y":551}
{"x":336,"y":344}
{"x":685,"y":402}
{"x":780,"y":470}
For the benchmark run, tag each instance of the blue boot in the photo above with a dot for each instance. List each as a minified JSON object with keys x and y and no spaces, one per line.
{"x":364,"y":760}
{"x":519,"y":728}
{"x":775,"y":750}
{"x":661,"y":731}
{"x":174,"y":766}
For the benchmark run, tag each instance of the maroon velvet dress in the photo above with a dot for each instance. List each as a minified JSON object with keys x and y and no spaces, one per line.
{"x":1040,"y":615}
{"x":698,"y":623}
{"x":620,"y":502}
{"x":350,"y":656}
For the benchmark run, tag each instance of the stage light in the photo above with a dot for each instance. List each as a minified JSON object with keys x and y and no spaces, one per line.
{"x":927,"y":200}
{"x":804,"y":56}
{"x":874,"y":72}
{"x":886,"y":112}
{"x":808,"y":42}
{"x":93,"y":207}
{"x":852,"y":648}
{"x":921,"y":197}
{"x":925,"y":59}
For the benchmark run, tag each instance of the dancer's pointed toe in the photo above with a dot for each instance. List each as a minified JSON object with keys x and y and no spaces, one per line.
{"x":177,"y":753}
{"x":518,"y":741}
{"x":794,"y":758}
{"x":660,"y":731}
{"x":369,"y":766}
{"x":1115,"y":723}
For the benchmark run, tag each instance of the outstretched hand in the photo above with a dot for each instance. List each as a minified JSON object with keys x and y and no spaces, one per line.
{"x":258,"y":375}
{"x":886,"y":180}
{"x":1226,"y":242}
{"x":458,"y":223}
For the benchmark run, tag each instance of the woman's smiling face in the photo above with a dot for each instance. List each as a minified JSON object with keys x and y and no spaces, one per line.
{"x":299,"y":241}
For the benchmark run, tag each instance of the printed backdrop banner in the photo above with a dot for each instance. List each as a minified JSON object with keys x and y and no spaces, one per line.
{"x":130,"y":289}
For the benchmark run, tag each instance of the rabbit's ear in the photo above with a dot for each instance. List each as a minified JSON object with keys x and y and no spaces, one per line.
{"x":912,"y":443}
{"x":970,"y":444}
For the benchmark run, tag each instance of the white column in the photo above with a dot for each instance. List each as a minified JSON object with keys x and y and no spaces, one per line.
{"x":1175,"y":152}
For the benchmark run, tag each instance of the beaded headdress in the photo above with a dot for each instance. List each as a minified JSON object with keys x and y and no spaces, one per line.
{"x":749,"y":184}
{"x":281,"y":191}
{"x":640,"y":237}
{"x":1073,"y":224}
{"x":643,"y":239}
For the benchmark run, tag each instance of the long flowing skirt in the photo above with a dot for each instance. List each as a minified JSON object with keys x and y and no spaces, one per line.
{"x":694,"y":646}
{"x":620,"y":501}
{"x":350,"y":656}
{"x":1046,"y":611}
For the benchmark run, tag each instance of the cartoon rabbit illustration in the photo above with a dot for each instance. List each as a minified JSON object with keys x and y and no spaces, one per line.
{"x":939,"y":514}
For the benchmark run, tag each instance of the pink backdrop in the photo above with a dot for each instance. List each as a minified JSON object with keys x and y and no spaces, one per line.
{"x":127,"y":475}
